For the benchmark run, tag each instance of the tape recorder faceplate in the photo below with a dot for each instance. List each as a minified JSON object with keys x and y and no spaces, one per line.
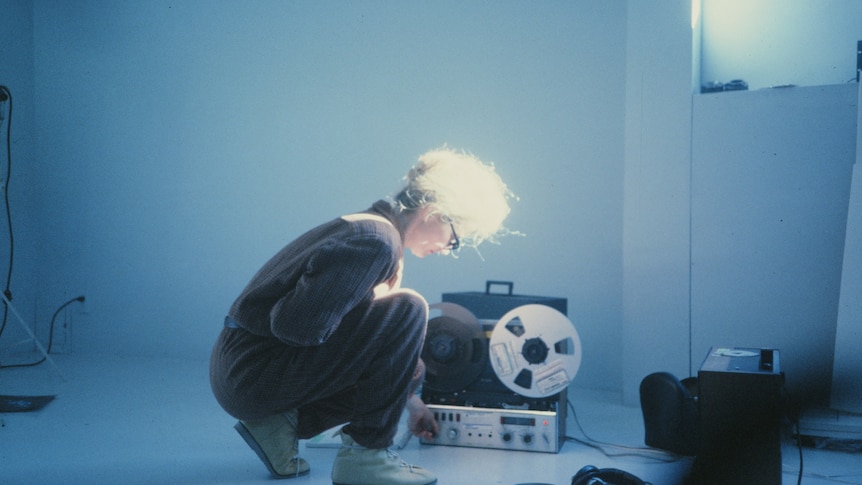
{"x":499,"y":380}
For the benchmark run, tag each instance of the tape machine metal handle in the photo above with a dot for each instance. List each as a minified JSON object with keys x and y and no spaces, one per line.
{"x":490,"y":283}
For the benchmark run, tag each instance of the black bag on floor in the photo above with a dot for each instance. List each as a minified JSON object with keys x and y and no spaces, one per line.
{"x":670,"y":413}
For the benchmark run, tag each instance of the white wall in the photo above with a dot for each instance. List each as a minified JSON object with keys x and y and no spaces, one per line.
{"x":657,"y":192}
{"x":671,"y":315}
{"x":771,"y":174}
{"x":181,"y":144}
{"x":775,"y":42}
{"x":846,"y":387}
{"x":16,"y":73}
{"x":175,"y":147}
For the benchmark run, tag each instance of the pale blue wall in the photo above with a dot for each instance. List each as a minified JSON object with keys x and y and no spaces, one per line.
{"x":655,"y":305}
{"x":180,"y":144}
{"x":16,"y":73}
{"x":164,"y":150}
{"x":769,"y":212}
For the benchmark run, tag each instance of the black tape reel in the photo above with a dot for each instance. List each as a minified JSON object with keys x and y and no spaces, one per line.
{"x":455,"y":349}
{"x":535,"y":350}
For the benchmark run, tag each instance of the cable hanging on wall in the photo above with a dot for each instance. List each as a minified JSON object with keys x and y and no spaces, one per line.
{"x":6,"y":295}
{"x":6,"y":115}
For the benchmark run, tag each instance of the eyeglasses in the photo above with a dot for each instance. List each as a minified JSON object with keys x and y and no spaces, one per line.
{"x":455,"y":243}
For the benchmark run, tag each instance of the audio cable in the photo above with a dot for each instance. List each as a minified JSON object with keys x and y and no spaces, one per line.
{"x":50,"y":335}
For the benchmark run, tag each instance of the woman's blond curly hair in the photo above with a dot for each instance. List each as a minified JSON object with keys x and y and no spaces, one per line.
{"x":462,"y":189}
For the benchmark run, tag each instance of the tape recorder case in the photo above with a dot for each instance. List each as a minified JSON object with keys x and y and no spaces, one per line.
{"x":497,"y":369}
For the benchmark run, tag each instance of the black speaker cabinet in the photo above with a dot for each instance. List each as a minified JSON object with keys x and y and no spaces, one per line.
{"x":739,"y":397}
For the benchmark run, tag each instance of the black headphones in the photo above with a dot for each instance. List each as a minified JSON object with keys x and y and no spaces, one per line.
{"x":590,"y":475}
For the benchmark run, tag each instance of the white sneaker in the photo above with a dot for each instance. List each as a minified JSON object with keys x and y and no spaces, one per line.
{"x":358,"y":465}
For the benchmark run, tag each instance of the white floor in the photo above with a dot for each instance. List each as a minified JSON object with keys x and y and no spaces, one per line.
{"x":137,"y":420}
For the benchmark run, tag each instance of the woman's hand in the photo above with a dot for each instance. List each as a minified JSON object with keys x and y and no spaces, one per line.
{"x":420,"y":421}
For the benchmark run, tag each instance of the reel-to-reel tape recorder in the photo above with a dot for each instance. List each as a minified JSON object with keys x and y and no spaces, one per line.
{"x":497,"y":369}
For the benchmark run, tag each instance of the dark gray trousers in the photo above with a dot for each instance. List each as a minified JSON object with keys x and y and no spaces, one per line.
{"x":361,"y":375}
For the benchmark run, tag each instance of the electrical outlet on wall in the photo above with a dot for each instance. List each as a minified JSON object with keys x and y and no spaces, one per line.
{"x":63,"y":333}
{"x":64,"y":324}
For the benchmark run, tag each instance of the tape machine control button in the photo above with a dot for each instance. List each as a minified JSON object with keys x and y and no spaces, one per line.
{"x":528,"y":439}
{"x":507,"y":437}
{"x":452,"y":433}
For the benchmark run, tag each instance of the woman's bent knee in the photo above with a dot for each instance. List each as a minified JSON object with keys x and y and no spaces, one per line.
{"x":407,"y":300}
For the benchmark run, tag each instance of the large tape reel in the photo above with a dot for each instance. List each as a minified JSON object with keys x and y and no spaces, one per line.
{"x":455,"y":348}
{"x":535,"y":350}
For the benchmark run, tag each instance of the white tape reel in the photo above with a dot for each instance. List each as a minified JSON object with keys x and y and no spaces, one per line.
{"x":535,"y":350}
